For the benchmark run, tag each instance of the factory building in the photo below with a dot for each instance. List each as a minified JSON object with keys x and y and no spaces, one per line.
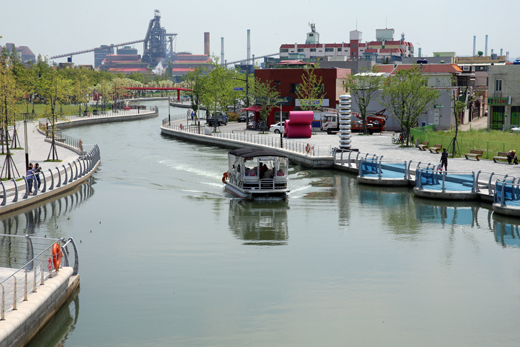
{"x":384,"y":48}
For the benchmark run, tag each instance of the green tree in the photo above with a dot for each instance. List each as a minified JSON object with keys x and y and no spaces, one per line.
{"x":266,"y":96}
{"x":311,"y":90}
{"x":56,"y":90}
{"x":196,"y":80}
{"x":459,"y":105}
{"x":10,"y":93}
{"x":363,"y":87}
{"x":407,"y":95}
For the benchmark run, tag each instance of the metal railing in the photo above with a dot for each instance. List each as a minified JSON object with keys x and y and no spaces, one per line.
{"x":432,"y":177}
{"x":376,"y":166}
{"x":506,"y":190}
{"x":33,"y":273}
{"x":300,"y":147}
{"x":67,"y":173}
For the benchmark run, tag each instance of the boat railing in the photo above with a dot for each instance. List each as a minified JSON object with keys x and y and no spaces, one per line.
{"x":375,"y":167}
{"x":301,"y":147}
{"x":29,"y":277}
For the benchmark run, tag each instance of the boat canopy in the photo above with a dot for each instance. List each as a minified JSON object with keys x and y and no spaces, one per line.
{"x":255,"y":152}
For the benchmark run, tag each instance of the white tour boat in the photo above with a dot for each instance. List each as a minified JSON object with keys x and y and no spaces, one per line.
{"x":256,"y":173}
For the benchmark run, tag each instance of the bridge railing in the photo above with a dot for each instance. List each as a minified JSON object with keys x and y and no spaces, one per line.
{"x":29,"y":277}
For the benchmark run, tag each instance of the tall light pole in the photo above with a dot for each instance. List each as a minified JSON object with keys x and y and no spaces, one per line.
{"x":26,"y":141}
{"x":281,"y":126}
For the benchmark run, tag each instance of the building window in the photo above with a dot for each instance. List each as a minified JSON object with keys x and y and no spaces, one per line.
{"x":313,"y":49}
{"x":354,"y":46}
{"x":498,"y":85}
{"x":294,"y":87}
{"x":300,"y":49}
{"x":284,"y":50}
{"x":339,"y":49}
{"x":329,"y":49}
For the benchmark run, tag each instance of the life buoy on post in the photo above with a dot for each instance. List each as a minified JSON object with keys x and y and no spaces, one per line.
{"x":225,"y":176}
{"x":181,"y":126}
{"x":308,"y":148}
{"x":56,"y":256}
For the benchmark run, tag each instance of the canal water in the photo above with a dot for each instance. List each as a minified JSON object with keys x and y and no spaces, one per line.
{"x":167,"y":258}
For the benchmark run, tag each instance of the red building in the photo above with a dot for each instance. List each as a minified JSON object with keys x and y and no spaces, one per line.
{"x":286,"y":81}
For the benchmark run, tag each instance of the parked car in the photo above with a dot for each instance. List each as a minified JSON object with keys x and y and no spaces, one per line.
{"x":242,"y":117}
{"x":222,"y":119}
{"x":277,"y":128}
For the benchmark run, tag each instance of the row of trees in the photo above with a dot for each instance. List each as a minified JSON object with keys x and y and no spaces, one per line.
{"x":216,"y":87}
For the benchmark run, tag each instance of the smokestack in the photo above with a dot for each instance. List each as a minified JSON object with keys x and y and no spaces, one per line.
{"x":485,"y":51}
{"x":222,"y":51}
{"x":419,"y":52}
{"x":501,"y":51}
{"x":474,"y":45}
{"x":206,"y":43}
{"x":507,"y":56}
{"x":248,"y":46}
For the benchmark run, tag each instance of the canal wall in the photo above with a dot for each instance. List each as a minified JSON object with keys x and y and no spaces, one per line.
{"x":110,"y":118}
{"x":314,"y":162}
{"x":22,"y":324}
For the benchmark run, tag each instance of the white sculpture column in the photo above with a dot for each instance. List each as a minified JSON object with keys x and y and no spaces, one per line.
{"x":344,"y":123}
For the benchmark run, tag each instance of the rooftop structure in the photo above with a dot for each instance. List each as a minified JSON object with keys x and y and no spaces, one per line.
{"x":384,"y":48}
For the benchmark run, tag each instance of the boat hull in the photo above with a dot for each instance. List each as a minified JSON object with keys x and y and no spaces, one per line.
{"x":252,"y":194}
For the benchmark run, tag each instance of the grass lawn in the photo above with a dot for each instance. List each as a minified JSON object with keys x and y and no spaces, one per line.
{"x":491,"y":142}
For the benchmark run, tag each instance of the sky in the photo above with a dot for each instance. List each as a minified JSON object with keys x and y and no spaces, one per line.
{"x":59,"y":27}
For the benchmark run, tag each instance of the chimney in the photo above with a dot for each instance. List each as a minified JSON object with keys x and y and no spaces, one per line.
{"x":485,"y":51}
{"x":248,"y":46}
{"x":474,"y":45}
{"x":206,"y":43}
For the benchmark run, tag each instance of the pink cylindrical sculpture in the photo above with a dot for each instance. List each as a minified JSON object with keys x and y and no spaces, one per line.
{"x":299,"y":124}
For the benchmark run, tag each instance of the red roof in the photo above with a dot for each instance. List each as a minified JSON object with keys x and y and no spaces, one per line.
{"x":190,"y":61}
{"x":182,"y":69}
{"x":294,"y":62}
{"x":252,"y":108}
{"x":384,"y":68}
{"x":128,"y":69}
{"x":432,"y":68}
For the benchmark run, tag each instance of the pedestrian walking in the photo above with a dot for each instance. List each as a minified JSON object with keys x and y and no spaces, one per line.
{"x":444,"y":159}
{"x":30,"y":177}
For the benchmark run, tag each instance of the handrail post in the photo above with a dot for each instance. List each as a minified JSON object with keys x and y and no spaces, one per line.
{"x":52,"y":180}
{"x":44,"y":189}
{"x":360,"y":168}
{"x":405,"y":170}
{"x":477,"y":189}
{"x":2,"y":315}
{"x":475,"y":185}
{"x":349,"y":154}
{"x":25,"y":288}
{"x":4,"y":196}
{"x":342,"y":158}
{"x":15,"y":199}
{"x":502,"y":200}
{"x":42,"y":280}
{"x":26,"y":194}
{"x":71,"y":173}
{"x":379,"y":167}
{"x":443,"y":181}
{"x":59,"y":177}
{"x":66,"y":175}
{"x":14,"y":294}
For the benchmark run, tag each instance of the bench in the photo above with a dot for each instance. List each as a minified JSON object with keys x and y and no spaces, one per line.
{"x":435,"y":148}
{"x":422,"y":146}
{"x":475,"y":153}
{"x":500,"y":156}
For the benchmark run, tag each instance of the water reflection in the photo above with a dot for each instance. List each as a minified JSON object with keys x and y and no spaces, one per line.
{"x":506,"y":230}
{"x":24,"y":221}
{"x":56,"y":332}
{"x":447,"y":212}
{"x":261,"y":223}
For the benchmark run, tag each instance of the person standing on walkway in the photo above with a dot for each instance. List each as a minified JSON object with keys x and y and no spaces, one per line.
{"x":36,"y":171}
{"x":444,"y":159}
{"x":30,"y":177}
{"x":511,"y":157}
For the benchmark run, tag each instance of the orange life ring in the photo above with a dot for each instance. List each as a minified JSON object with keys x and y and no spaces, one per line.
{"x":308,"y":148}
{"x":225,"y":176}
{"x":181,"y":127}
{"x":56,"y":255}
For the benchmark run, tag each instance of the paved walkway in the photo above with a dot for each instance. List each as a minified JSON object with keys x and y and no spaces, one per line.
{"x":38,"y":150}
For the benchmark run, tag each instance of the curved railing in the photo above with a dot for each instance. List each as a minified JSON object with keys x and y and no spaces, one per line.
{"x":304,"y":148}
{"x":66,"y":173}
{"x":34,"y":272}
{"x":507,"y":192}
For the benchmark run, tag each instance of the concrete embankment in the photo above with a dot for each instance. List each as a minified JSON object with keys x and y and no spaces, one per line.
{"x":22,"y":324}
{"x":122,"y":116}
{"x":315,"y":162}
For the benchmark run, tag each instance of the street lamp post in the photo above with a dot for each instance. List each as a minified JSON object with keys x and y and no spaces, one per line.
{"x":281,"y":126}
{"x":26,"y":141}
